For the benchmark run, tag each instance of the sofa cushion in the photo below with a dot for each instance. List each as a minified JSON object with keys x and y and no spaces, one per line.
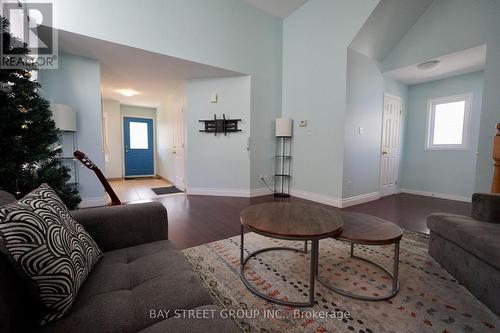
{"x":49,"y":248}
{"x":127,"y":284}
{"x":6,"y":198}
{"x":477,"y":238}
{"x":486,"y":207}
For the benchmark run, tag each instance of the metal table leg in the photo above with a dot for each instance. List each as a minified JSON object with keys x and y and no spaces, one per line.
{"x":394,"y":276}
{"x":312,"y":272}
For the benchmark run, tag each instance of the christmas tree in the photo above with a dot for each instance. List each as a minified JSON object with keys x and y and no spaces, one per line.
{"x":28,"y":156}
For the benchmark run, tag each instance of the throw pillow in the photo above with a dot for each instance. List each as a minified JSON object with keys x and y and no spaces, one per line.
{"x":49,"y":247}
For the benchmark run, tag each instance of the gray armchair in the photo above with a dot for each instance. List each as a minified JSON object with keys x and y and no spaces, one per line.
{"x":469,"y":247}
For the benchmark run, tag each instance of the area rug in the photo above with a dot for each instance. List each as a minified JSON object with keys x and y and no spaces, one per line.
{"x":430,"y":300}
{"x":166,"y":190}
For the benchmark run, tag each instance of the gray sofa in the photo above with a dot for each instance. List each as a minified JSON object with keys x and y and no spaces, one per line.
{"x":469,"y":248}
{"x":141,"y":271}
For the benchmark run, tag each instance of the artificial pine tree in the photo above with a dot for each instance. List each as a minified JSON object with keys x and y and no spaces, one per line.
{"x":28,"y":156}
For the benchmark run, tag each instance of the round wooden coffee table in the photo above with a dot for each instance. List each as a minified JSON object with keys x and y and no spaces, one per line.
{"x":370,"y":230}
{"x":289,"y":221}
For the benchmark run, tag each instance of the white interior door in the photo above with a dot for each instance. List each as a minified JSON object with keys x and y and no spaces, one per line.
{"x":178,"y":149}
{"x":391,"y":132}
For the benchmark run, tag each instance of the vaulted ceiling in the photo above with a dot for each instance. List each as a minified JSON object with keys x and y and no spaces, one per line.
{"x":389,"y":23}
{"x":278,"y":8}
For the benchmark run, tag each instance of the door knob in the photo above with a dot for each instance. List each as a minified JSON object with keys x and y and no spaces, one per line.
{"x":384,"y":153}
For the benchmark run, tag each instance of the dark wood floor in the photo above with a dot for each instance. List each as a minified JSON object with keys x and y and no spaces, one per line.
{"x":195,"y":220}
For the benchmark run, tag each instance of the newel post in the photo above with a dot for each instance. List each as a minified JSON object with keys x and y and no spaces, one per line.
{"x":495,"y":188}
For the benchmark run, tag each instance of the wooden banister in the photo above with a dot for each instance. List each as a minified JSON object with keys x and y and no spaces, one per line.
{"x":495,"y":188}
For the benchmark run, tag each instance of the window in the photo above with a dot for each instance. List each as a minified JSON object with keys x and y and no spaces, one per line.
{"x":138,"y":135}
{"x":448,"y":123}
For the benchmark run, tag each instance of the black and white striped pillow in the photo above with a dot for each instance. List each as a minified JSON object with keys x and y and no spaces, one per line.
{"x":49,"y":247}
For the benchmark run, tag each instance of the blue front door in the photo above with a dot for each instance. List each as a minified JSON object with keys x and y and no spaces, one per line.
{"x":139,"y":146}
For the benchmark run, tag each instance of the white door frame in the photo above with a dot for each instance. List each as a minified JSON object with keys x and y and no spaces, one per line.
{"x":123,"y":144}
{"x":395,"y":189}
{"x":181,"y":113}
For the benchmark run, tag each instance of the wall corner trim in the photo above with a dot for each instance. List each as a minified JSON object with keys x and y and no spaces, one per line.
{"x":336,"y":202}
{"x":259,"y":192}
{"x":360,"y":199}
{"x":228,"y":192}
{"x":320,"y":198}
{"x":218,"y":192}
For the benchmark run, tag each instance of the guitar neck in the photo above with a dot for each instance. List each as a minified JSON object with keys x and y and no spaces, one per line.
{"x":115,"y":201}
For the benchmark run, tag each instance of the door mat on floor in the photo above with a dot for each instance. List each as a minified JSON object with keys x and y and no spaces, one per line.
{"x":430,"y":300}
{"x":166,"y":190}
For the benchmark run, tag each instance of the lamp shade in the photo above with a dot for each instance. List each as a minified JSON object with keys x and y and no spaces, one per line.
{"x":284,"y":127}
{"x":64,"y":117}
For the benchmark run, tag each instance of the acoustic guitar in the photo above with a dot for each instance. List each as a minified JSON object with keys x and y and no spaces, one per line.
{"x":89,"y":164}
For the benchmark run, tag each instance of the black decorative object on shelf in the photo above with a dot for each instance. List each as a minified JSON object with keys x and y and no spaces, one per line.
{"x":220,"y":125}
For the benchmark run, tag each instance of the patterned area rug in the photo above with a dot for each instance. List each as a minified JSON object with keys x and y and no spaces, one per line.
{"x":430,"y":300}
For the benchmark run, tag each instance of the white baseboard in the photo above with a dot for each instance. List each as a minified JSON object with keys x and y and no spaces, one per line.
{"x":92,"y":202}
{"x":359,"y":199}
{"x":218,"y":192}
{"x":436,"y":195}
{"x":259,"y":192}
{"x":320,"y":198}
{"x":222,"y":192}
{"x":336,"y":202}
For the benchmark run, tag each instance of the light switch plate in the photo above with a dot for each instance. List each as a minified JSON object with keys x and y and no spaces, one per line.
{"x":361,"y":131}
{"x":303,"y":123}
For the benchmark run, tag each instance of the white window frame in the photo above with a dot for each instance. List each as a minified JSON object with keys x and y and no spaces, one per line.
{"x":431,"y":108}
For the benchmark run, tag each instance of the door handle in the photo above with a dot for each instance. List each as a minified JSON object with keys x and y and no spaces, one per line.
{"x":384,"y":153}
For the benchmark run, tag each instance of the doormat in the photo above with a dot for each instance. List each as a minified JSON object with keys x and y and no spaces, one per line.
{"x":166,"y":190}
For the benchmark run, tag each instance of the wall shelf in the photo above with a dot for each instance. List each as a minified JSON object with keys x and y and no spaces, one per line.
{"x":220,"y":125}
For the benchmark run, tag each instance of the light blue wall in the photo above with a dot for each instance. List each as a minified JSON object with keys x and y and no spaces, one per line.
{"x":224,"y":33}
{"x":217,"y":162}
{"x":453,"y":25}
{"x":315,"y":41}
{"x":443,"y":172}
{"x":137,"y":111}
{"x":396,"y":88}
{"x":77,"y":83}
{"x":365,"y":86}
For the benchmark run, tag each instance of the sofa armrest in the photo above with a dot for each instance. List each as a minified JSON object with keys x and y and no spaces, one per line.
{"x":118,"y":227}
{"x":486,"y":207}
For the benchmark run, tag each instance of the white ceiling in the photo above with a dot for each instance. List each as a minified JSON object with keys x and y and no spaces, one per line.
{"x":277,"y":8}
{"x":463,"y":62}
{"x":154,"y":76}
{"x":387,"y":25}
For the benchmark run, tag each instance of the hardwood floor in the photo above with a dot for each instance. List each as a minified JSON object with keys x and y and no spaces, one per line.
{"x":137,"y":189}
{"x":195,"y":220}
